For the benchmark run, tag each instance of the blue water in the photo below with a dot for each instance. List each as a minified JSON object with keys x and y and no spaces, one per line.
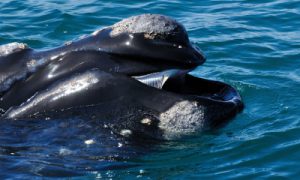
{"x":252,"y":45}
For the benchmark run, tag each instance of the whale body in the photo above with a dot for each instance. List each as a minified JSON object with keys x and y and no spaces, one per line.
{"x":132,"y":77}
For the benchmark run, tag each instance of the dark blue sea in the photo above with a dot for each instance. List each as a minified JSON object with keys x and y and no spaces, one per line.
{"x":252,"y":45}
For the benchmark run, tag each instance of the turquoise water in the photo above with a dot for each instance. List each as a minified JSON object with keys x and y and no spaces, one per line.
{"x":252,"y":45}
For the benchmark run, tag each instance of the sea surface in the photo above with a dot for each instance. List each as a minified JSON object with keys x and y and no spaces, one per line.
{"x":252,"y":45}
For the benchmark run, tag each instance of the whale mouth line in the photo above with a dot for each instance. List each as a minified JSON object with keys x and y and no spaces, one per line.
{"x":179,"y":81}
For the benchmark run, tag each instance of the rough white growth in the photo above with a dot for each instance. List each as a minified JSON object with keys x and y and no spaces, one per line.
{"x":183,"y":118}
{"x":7,"y":49}
{"x":149,"y":24}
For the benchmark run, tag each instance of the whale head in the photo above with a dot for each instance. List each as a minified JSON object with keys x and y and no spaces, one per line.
{"x":154,"y":40}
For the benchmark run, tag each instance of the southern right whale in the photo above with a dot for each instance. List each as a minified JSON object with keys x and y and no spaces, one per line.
{"x":133,"y":77}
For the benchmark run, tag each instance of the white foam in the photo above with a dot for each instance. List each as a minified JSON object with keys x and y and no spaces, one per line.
{"x":65,"y":152}
{"x":89,"y":141}
{"x":183,"y":118}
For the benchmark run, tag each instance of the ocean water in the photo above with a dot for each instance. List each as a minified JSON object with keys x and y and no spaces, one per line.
{"x":252,"y":45}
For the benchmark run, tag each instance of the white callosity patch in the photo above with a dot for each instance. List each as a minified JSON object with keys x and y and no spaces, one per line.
{"x":149,"y":24}
{"x":72,"y":86}
{"x":183,"y":118}
{"x":10,"y":48}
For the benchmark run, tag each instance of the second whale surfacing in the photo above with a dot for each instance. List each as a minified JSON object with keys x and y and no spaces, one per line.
{"x":132,"y":77}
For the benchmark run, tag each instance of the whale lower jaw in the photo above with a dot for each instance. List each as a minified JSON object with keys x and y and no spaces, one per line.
{"x":164,"y":111}
{"x":205,"y":103}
